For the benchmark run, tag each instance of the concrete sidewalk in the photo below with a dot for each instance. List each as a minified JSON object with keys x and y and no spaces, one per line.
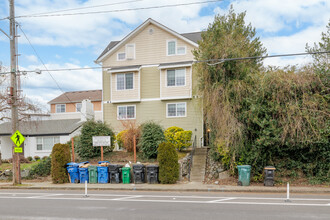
{"x":181,"y":187}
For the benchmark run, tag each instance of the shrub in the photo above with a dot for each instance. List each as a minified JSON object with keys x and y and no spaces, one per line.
{"x":170,"y":132}
{"x":41,"y":169}
{"x":168,"y":163}
{"x":120,"y":138}
{"x":29,"y":158}
{"x":36,"y":158}
{"x":128,"y":136}
{"x":182,"y":139}
{"x":44,"y":157}
{"x":85,"y":147}
{"x":152,"y":135}
{"x":59,"y":158}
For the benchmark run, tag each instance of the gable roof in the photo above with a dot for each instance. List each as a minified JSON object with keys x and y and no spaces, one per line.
{"x":77,"y":96}
{"x":190,"y":38}
{"x":42,"y":128}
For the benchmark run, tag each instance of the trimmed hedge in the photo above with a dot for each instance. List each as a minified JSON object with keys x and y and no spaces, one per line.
{"x":85,"y":147}
{"x":60,"y":157}
{"x":152,"y":136}
{"x":168,"y":163}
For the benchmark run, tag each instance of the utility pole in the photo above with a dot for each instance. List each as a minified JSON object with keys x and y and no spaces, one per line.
{"x":13,"y":91}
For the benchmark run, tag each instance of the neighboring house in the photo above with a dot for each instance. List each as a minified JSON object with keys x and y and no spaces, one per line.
{"x":149,"y":76}
{"x":40,"y":136}
{"x":68,"y":105}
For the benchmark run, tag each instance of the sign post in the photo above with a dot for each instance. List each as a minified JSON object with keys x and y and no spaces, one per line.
{"x":100,"y":141}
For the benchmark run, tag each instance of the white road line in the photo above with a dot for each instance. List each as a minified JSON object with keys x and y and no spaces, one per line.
{"x":174,"y":201}
{"x":127,"y":197}
{"x":47,"y":195}
{"x":221,"y":200}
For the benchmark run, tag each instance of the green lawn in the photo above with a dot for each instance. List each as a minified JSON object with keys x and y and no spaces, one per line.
{"x":9,"y":166}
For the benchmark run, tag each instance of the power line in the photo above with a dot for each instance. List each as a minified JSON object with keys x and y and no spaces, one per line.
{"x":259,"y":57}
{"x":87,"y":7}
{"x":218,"y":61}
{"x":117,"y":10}
{"x":58,"y":86}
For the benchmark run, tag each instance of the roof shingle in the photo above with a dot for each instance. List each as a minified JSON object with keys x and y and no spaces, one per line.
{"x":77,"y":96}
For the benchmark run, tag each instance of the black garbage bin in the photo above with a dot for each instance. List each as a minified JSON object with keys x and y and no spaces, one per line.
{"x":152,"y":173}
{"x":269,"y":176}
{"x":115,"y":173}
{"x":139,"y":173}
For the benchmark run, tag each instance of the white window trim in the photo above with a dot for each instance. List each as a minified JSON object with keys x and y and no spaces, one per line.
{"x":126,"y":52}
{"x":124,"y":82}
{"x":176,"y":44}
{"x":175,"y":86}
{"x":122,"y":119}
{"x":60,"y":104}
{"x":45,"y":151}
{"x":176,"y":109}
{"x":118,"y":56}
{"x":185,"y":51}
{"x":80,"y":107}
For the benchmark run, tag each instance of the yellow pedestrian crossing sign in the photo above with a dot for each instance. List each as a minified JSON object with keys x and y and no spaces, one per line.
{"x":17,"y":138}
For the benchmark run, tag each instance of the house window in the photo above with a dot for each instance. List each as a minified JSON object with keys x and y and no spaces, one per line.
{"x":181,"y":50}
{"x":171,"y":47}
{"x":176,"y":109}
{"x":78,"y":107}
{"x":124,"y":81}
{"x":130,"y":51}
{"x":60,"y":108}
{"x":126,"y":112}
{"x":46,"y":143}
{"x":176,"y":77}
{"x":121,"y":56}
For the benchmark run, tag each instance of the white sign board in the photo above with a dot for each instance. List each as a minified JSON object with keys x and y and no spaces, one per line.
{"x":101,"y":141}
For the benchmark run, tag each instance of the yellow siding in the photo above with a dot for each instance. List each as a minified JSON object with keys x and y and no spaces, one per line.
{"x":156,"y":111}
{"x":131,"y":94}
{"x":106,"y":86}
{"x":150,"y":83}
{"x":175,"y":91}
{"x":150,"y":49}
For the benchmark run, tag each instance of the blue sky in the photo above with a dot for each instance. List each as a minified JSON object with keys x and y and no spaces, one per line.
{"x":284,"y":26}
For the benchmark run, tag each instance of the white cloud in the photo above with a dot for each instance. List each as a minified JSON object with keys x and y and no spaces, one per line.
{"x":44,"y":88}
{"x":31,"y":58}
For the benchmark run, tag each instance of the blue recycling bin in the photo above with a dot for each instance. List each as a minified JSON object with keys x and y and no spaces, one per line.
{"x":103,"y":173}
{"x":73,"y":171}
{"x":83,"y":173}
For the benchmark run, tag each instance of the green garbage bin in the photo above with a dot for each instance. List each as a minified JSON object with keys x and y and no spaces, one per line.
{"x":126,"y":174}
{"x":92,"y":170}
{"x":244,"y":175}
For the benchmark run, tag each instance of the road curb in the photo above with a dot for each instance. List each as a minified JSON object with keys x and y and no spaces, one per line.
{"x":159,"y":187}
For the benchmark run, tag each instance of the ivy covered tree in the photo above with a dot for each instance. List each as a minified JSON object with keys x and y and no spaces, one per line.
{"x":89,"y":129}
{"x":225,"y":84}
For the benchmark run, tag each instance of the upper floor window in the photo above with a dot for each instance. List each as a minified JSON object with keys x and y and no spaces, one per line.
{"x":78,"y":107}
{"x":176,"y":77}
{"x":176,"y":109}
{"x":124,"y":81}
{"x":60,"y":108}
{"x":126,"y":112}
{"x":171,"y":47}
{"x":129,"y":53}
{"x":47,"y":143}
{"x":121,"y":56}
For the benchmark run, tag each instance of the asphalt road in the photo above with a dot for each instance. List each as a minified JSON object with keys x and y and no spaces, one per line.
{"x":36,"y":204}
